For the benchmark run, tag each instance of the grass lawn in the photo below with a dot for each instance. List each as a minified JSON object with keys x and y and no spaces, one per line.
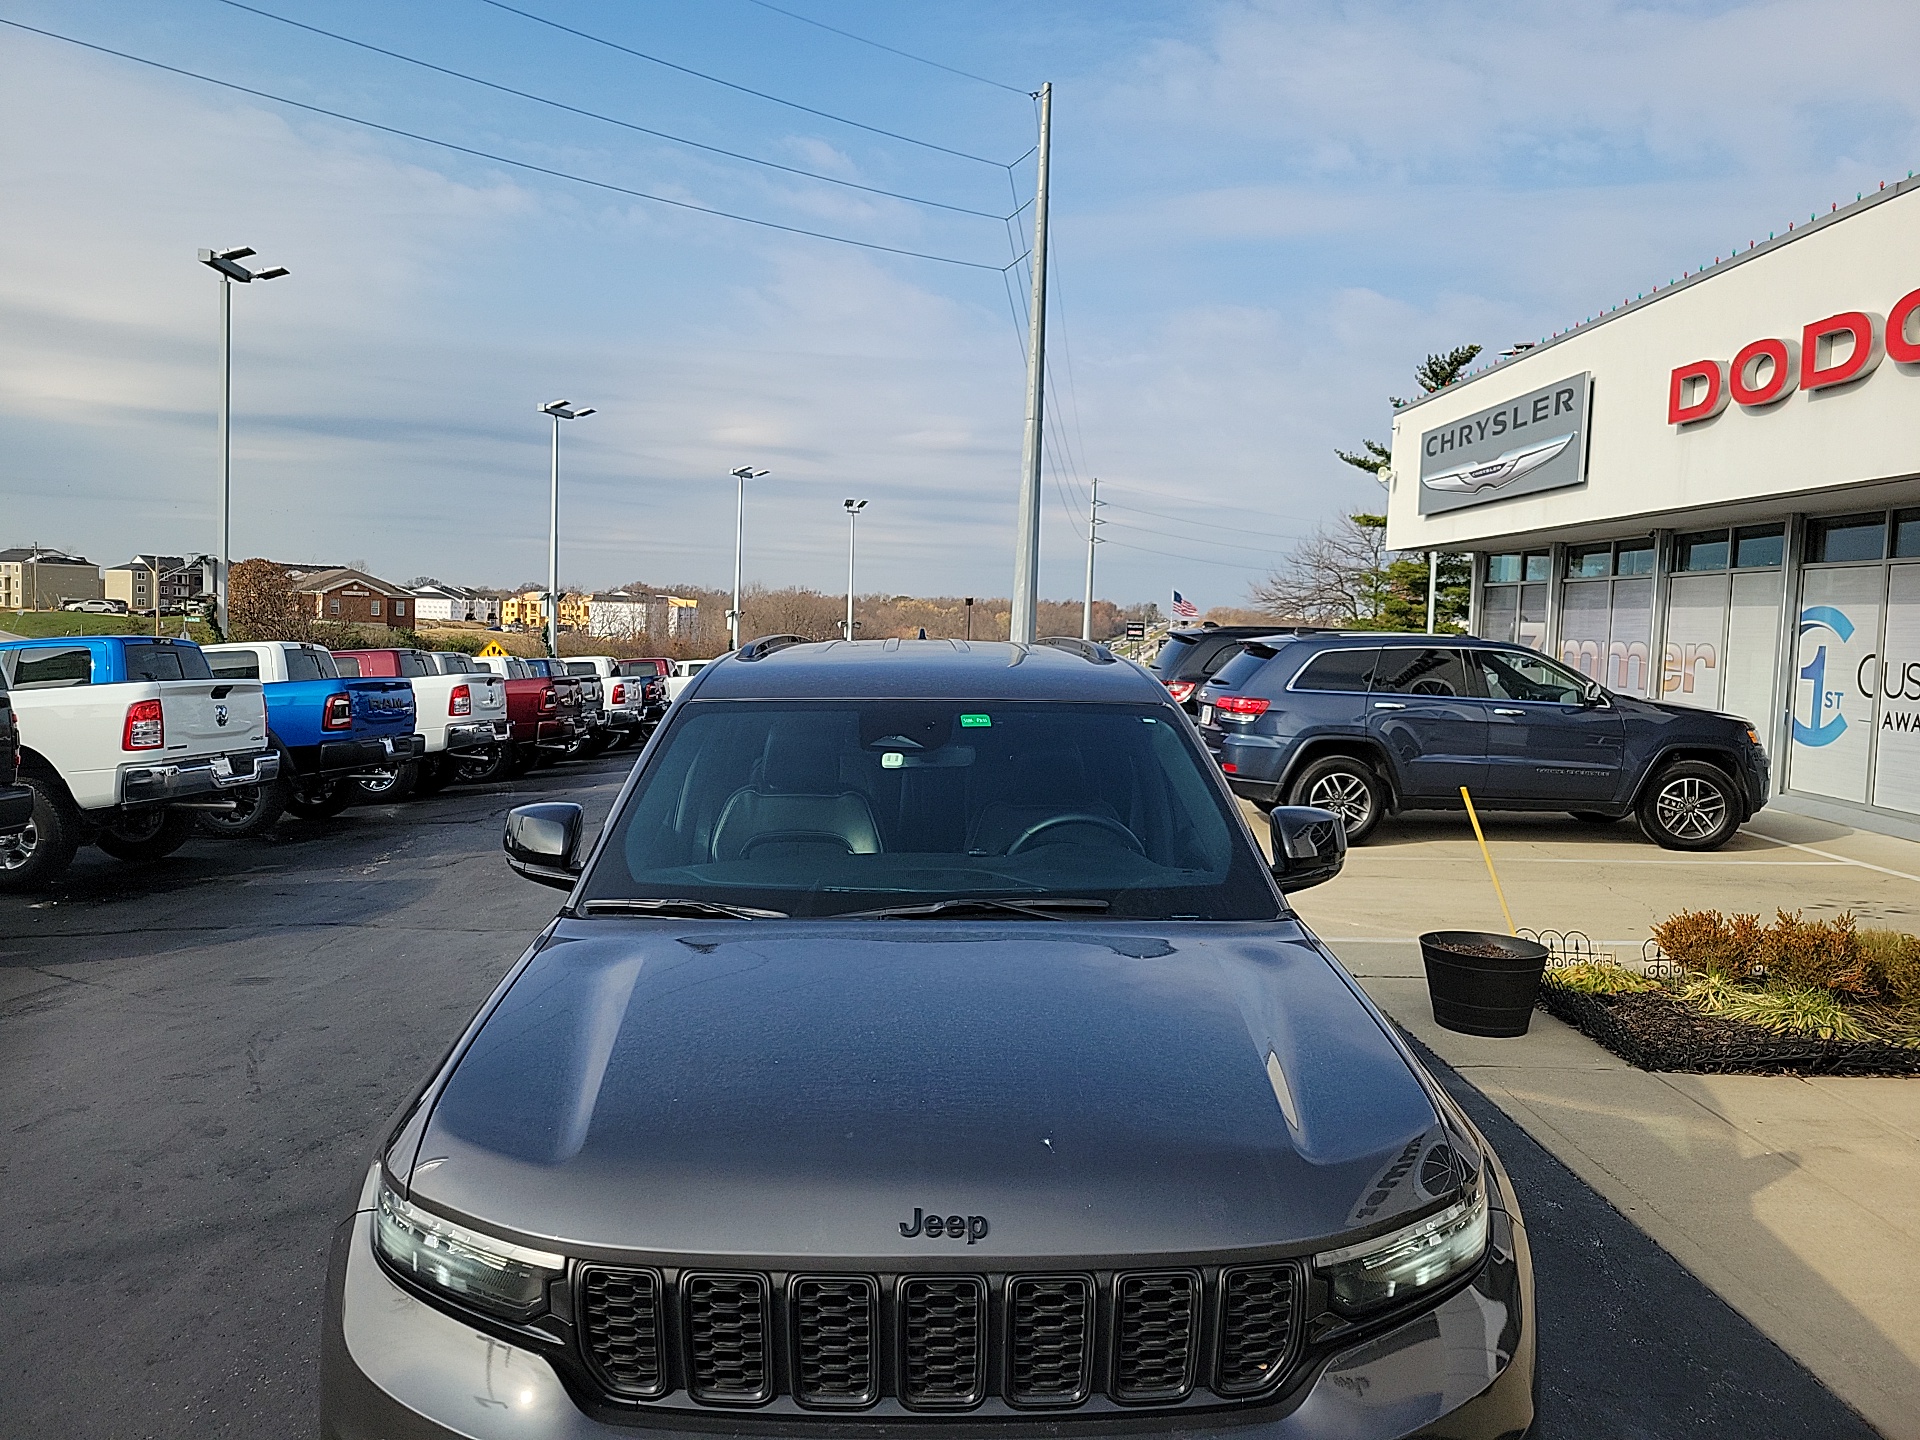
{"x":35,"y":624}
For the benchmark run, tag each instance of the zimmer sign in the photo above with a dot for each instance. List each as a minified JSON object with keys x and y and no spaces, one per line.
{"x":1533,"y":442}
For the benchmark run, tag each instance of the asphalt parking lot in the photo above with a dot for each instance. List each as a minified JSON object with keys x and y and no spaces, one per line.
{"x":197,"y":1056}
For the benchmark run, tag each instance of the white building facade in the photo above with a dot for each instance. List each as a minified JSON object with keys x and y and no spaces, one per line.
{"x":1711,"y":496}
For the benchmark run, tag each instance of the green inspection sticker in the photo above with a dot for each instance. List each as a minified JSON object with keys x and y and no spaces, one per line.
{"x":975,"y":722}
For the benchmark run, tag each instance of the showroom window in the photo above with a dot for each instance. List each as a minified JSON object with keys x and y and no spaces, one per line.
{"x":1750,"y":547}
{"x":1841,"y":538}
{"x":1514,"y":601}
{"x":1906,"y":534}
{"x":1606,"y":613}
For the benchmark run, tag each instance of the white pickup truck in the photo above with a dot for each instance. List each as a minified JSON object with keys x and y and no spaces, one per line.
{"x":459,"y":717}
{"x":123,"y":738}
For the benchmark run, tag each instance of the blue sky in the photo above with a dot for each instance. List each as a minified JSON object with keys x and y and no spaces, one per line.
{"x":1265,"y":215}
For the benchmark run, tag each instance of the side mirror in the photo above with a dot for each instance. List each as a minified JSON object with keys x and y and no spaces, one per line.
{"x":1309,"y":845}
{"x":543,"y":842}
{"x":1592,"y":695}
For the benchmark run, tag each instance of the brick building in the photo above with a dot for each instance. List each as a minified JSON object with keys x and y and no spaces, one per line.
{"x":342,"y":596}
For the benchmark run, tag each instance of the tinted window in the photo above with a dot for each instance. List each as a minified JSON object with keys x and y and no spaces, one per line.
{"x":1706,"y":551}
{"x":1173,"y":652}
{"x":1516,"y":675}
{"x":413,"y":665}
{"x":1634,"y":558}
{"x":167,"y":662}
{"x":1758,"y":545}
{"x":307,"y":665}
{"x":1906,"y":535}
{"x":1237,"y":672}
{"x":831,"y":806}
{"x":581,"y":667}
{"x":234,"y":666}
{"x":1539,"y":566}
{"x":48,"y":669}
{"x":1347,"y":670}
{"x":1585,"y":562}
{"x":452,"y":663}
{"x":1847,"y":537}
{"x":1503,"y":569}
{"x":1421,"y":672}
{"x":348,"y":665}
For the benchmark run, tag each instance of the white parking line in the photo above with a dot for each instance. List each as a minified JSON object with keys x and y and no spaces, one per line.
{"x":1841,"y":859}
{"x":1673,"y":860}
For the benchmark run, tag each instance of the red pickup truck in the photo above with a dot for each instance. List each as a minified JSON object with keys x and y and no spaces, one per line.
{"x":547,"y":713}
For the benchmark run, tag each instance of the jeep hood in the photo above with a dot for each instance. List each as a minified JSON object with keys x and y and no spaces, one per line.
{"x":798,"y":1089}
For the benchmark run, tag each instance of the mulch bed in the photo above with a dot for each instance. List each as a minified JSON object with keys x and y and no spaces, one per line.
{"x":1657,"y":1032}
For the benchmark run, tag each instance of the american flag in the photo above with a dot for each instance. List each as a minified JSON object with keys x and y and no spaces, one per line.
{"x":1184,"y":609}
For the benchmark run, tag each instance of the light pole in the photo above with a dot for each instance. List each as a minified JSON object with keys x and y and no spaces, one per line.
{"x":226,"y":263}
{"x":853,"y":509}
{"x":559,"y":410}
{"x":743,"y":474}
{"x":1094,"y":522}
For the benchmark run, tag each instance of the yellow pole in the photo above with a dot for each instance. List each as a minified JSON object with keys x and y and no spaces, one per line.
{"x":1487,"y":855}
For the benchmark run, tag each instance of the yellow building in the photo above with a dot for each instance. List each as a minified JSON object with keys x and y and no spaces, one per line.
{"x":529,"y":609}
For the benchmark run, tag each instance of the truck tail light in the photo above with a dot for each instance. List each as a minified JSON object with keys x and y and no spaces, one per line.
{"x":1241,"y":709}
{"x":547,"y":702}
{"x":338,"y":714}
{"x":619,"y":694}
{"x":1181,"y":690}
{"x":460,"y":702}
{"x":146,"y":727}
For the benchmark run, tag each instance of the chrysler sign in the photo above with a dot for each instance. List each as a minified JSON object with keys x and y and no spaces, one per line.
{"x":1533,"y":442}
{"x":1835,"y":351}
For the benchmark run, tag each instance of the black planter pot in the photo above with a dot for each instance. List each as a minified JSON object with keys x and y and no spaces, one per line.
{"x":1482,"y":994}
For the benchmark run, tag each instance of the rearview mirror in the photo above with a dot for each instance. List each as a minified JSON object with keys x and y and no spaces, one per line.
{"x":1309,"y":845}
{"x":543,"y":842}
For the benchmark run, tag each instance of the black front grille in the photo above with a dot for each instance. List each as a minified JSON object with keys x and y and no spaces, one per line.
{"x":1151,"y":1338}
{"x":1049,"y":1339}
{"x":1257,"y":1313}
{"x":1155,"y":1336}
{"x":834,"y":1320}
{"x":943,"y":1351}
{"x":727,"y":1349}
{"x":620,"y":1325}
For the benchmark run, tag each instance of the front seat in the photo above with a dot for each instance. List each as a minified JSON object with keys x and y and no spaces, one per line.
{"x":797,"y":806}
{"x":1050,"y":783}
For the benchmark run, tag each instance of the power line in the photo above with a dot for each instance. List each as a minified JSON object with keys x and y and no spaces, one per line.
{"x":1223,"y":544}
{"x":742,"y":89}
{"x":606,"y":119}
{"x":1204,"y":524}
{"x":498,"y":159}
{"x":1185,"y":559}
{"x":906,"y":55}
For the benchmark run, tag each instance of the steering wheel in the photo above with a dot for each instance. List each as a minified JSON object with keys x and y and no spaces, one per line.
{"x":1078,"y":817}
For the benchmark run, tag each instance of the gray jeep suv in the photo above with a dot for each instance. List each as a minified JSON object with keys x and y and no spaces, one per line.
{"x":1363,"y":724}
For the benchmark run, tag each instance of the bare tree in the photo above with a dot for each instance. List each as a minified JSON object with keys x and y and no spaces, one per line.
{"x":261,"y":604}
{"x":1333,"y":577}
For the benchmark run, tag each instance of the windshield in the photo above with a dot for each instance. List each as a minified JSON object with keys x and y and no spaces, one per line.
{"x":828,"y":807}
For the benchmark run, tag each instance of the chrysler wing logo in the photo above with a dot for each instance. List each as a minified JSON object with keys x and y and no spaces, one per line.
{"x":1817,"y":729}
{"x":219,"y":714}
{"x":1503,"y":469}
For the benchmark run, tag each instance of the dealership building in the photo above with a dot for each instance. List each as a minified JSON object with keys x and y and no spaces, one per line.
{"x":1711,"y":496}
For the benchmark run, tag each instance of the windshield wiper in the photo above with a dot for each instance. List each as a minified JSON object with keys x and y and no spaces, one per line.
{"x":681,"y":909}
{"x":1040,"y":907}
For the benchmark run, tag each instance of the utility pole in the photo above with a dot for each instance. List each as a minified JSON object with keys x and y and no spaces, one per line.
{"x":853,"y":509}
{"x":969,"y":610}
{"x":1433,"y":592}
{"x":743,"y":474}
{"x":1026,"y":552}
{"x":1094,"y":522}
{"x":227,"y":264}
{"x":559,"y":410}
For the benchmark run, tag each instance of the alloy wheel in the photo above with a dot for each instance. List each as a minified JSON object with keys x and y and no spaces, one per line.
{"x":378,"y":782}
{"x":1346,"y":795}
{"x":1691,"y":808}
{"x":17,"y":850}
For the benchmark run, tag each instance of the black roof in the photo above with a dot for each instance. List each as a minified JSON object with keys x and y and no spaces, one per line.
{"x":924,"y":670}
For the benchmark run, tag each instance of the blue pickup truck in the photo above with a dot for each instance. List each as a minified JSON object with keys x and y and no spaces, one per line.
{"x":326,"y":728}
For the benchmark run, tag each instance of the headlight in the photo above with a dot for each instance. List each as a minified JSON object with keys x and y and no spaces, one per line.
{"x":491,"y":1274}
{"x":1392,"y":1267}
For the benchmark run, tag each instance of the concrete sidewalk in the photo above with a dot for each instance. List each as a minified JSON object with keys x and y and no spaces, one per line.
{"x":1796,"y":1200}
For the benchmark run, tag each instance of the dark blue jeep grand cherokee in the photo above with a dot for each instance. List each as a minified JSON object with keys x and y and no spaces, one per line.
{"x":1363,"y":724}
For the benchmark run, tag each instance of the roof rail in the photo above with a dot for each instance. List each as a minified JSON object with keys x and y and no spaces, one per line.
{"x":767,"y":644}
{"x":1085,"y":649}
